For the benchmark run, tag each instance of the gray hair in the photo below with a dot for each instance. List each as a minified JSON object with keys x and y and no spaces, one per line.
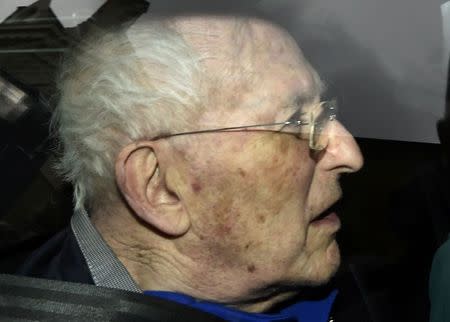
{"x":117,"y":87}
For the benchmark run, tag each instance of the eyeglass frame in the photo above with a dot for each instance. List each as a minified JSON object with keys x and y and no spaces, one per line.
{"x":332,"y":110}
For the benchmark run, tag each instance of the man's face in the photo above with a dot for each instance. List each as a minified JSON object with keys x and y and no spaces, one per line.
{"x":252,"y":196}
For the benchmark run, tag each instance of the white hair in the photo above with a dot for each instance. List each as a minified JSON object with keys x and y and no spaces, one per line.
{"x":117,"y":87}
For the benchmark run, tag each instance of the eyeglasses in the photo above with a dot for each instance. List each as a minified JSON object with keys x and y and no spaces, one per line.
{"x":312,"y":125}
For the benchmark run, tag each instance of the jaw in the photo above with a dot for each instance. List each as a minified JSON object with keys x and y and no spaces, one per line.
{"x":319,"y":272}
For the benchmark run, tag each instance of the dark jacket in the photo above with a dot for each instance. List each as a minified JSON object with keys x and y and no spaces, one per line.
{"x":60,"y":258}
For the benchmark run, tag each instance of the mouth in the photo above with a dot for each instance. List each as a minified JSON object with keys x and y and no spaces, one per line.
{"x":329,"y":217}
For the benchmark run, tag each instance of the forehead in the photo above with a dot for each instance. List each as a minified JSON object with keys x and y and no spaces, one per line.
{"x":259,"y":62}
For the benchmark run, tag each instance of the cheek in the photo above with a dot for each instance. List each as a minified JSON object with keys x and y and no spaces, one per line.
{"x":257,"y":191}
{"x":278,"y":192}
{"x":282,"y":167}
{"x":210,"y":198}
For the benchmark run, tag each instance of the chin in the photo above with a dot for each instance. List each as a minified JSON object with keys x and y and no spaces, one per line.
{"x":333,"y":256}
{"x":332,"y":262}
{"x":326,"y":266}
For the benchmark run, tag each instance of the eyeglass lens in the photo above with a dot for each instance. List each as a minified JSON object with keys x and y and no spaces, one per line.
{"x":320,"y":125}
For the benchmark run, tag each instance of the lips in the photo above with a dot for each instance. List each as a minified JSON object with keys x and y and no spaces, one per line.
{"x":329,"y":216}
{"x":322,"y":215}
{"x":330,"y":220}
{"x":335,"y":207}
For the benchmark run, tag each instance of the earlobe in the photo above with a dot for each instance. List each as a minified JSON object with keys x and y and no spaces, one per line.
{"x":142,"y":183}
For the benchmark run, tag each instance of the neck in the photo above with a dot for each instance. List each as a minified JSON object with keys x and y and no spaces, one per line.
{"x":155,"y":263}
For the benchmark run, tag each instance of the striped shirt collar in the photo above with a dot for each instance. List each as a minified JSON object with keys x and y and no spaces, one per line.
{"x":105,"y":268}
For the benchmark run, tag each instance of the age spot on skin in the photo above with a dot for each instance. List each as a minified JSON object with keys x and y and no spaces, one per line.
{"x":242,"y":173}
{"x":261,"y":219}
{"x":196,"y":187}
{"x":224,"y":230}
{"x":251,"y":268}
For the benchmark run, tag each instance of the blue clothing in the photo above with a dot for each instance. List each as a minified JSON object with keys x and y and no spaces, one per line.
{"x":304,"y":311}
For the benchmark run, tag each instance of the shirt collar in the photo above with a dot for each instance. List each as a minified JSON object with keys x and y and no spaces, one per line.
{"x":105,"y":268}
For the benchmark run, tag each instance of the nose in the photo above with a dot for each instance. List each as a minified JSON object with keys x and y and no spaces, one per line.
{"x":342,"y":152}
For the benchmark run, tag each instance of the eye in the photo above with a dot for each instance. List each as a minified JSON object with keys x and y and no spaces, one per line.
{"x":300,"y":115}
{"x":297,"y":116}
{"x":300,"y":130}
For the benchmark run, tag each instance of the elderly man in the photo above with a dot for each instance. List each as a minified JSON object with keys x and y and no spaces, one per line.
{"x":205,"y":163}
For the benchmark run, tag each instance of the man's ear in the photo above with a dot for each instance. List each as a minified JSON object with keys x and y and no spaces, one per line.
{"x":142,"y":183}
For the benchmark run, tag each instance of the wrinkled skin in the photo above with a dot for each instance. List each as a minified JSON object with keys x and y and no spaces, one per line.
{"x":250,"y":196}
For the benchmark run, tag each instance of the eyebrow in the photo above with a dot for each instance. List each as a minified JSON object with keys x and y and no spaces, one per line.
{"x":307,"y":96}
{"x":300,"y":99}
